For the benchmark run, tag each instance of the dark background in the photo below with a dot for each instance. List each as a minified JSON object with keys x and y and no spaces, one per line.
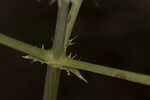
{"x":111,"y":32}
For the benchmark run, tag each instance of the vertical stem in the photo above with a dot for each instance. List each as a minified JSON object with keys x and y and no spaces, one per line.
{"x":53,"y":75}
{"x":72,"y":16}
{"x":51,"y":83}
{"x":60,"y":33}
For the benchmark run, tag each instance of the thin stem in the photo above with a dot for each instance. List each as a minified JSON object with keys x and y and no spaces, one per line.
{"x":51,"y":83}
{"x":104,"y":70}
{"x":24,"y":47}
{"x":72,"y":16}
{"x":53,"y":75}
{"x":60,"y":33}
{"x":99,"y":69}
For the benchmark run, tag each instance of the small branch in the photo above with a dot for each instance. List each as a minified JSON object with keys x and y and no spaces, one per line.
{"x":72,"y":16}
{"x":24,"y":47}
{"x":104,"y":70}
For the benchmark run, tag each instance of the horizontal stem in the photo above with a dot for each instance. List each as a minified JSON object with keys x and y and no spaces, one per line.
{"x":104,"y":70}
{"x":99,"y":69}
{"x":24,"y":47}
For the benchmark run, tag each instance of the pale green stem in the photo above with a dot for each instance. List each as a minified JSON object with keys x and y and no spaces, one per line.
{"x":60,"y":33}
{"x":99,"y":69}
{"x":72,"y":16}
{"x":51,"y":83}
{"x":53,"y":75}
{"x":24,"y":47}
{"x":104,"y":70}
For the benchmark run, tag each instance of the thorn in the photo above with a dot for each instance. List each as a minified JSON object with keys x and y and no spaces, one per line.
{"x":33,"y":59}
{"x":72,"y":39}
{"x":72,"y":57}
{"x":42,"y":62}
{"x":26,"y":57}
{"x":82,"y":78}
{"x":71,"y":43}
{"x":42,"y":46}
{"x":68,"y":72}
{"x":75,"y":37}
{"x":78,"y":74}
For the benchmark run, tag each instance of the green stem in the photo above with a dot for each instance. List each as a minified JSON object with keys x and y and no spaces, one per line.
{"x":60,"y":33}
{"x":99,"y":69}
{"x":53,"y":75}
{"x":104,"y":70}
{"x":72,"y":16}
{"x":24,"y":47}
{"x":51,"y":83}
